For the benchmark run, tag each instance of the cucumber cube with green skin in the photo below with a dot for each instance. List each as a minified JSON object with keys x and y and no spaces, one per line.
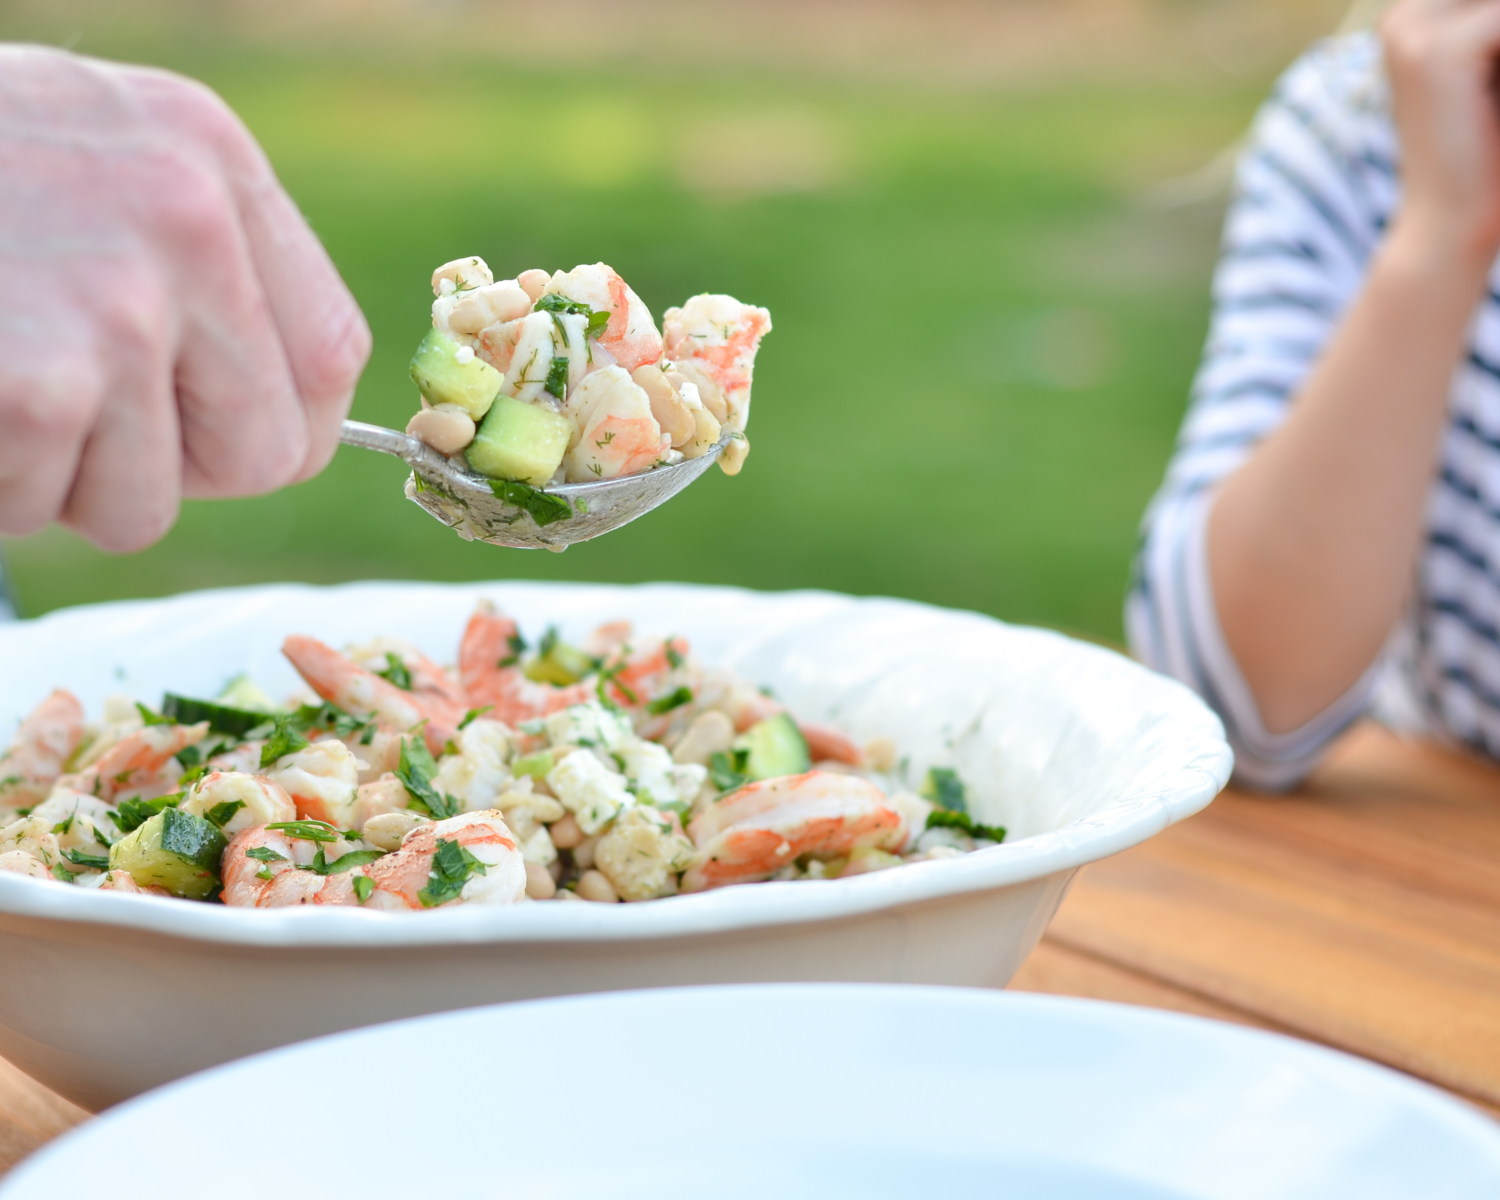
{"x":775,"y":747}
{"x":520,"y":441}
{"x":439,"y":376}
{"x":174,"y":850}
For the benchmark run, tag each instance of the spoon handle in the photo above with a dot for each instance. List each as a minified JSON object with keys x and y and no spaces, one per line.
{"x":377,"y":437}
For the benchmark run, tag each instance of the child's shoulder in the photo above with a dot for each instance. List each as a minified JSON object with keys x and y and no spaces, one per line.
{"x":1342,"y":75}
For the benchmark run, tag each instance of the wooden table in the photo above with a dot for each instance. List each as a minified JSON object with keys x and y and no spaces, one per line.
{"x":1362,"y":911}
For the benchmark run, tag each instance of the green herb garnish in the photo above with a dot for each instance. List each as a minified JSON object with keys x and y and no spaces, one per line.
{"x":473,"y":715}
{"x":264,"y":854}
{"x":64,"y":826}
{"x":265,"y":873}
{"x":284,"y":739}
{"x":665,"y":704}
{"x":99,"y":862}
{"x":364,"y":886}
{"x":553,"y":303}
{"x":557,"y":376}
{"x":611,"y":675}
{"x":308,"y":831}
{"x":727,"y":770}
{"x":940,"y":818}
{"x":416,"y":770}
{"x":674,"y":656}
{"x":132,"y":814}
{"x":544,"y":509}
{"x":945,"y":789}
{"x":598,"y":319}
{"x":452,"y":866}
{"x":396,"y":672}
{"x":150,"y":716}
{"x":344,"y":862}
{"x":517,"y":648}
{"x":61,"y":873}
{"x":222,"y":814}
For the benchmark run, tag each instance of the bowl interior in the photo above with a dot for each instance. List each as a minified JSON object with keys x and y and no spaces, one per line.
{"x":1045,"y":730}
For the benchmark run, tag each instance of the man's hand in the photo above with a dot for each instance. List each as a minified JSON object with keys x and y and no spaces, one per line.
{"x":169,"y":325}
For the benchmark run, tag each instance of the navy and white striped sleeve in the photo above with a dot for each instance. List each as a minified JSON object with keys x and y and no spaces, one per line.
{"x":1314,"y":186}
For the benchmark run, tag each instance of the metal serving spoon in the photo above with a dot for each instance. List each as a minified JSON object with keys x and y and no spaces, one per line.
{"x":513,"y":514}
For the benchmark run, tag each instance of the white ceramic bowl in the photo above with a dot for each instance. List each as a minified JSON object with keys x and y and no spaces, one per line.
{"x":1077,"y":750}
{"x":804,"y":1092}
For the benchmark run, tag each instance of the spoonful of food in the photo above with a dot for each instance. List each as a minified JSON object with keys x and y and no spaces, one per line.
{"x":508,"y":512}
{"x":553,"y":410}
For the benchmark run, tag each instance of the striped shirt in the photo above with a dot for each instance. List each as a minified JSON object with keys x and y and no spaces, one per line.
{"x":1316,"y":186}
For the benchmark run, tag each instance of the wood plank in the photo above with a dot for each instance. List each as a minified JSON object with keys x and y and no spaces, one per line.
{"x":1363,"y":911}
{"x":30,"y":1115}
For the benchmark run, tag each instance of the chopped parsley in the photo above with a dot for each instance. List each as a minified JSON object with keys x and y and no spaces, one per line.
{"x":517,"y":646}
{"x":309,"y":831}
{"x":265,"y":873}
{"x":943,"y":818}
{"x":416,"y":770}
{"x":727,"y":770}
{"x":284,"y":739}
{"x":132,"y":814}
{"x":674,"y":655}
{"x":222,"y":814}
{"x":364,"y":886}
{"x":473,"y":715}
{"x":151,"y":717}
{"x":344,"y":862}
{"x":536,"y":765}
{"x":665,"y":704}
{"x":544,"y":508}
{"x":557,"y":376}
{"x":64,"y":826}
{"x":61,"y":873}
{"x":264,"y":854}
{"x":548,"y":643}
{"x":598,"y":319}
{"x":611,"y":675}
{"x":396,"y":672}
{"x":945,"y":789}
{"x":98,"y":862}
{"x":452,"y":867}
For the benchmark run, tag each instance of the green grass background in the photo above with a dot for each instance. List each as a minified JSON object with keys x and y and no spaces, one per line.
{"x":983,"y":337}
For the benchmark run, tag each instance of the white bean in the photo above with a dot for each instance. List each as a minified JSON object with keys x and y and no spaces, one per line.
{"x":486,"y":306}
{"x":387,"y":830}
{"x":539,"y":883}
{"x":595,"y":886}
{"x":565,"y":833}
{"x":444,"y":427}
{"x":732,"y":457}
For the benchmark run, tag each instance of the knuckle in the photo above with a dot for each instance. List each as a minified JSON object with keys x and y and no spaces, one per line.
{"x":337,"y":353}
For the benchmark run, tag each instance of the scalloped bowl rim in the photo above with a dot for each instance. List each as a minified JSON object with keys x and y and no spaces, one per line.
{"x":1178,"y":793}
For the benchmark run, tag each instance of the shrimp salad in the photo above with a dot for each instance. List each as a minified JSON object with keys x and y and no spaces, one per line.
{"x":620,"y":769}
{"x":564,"y":378}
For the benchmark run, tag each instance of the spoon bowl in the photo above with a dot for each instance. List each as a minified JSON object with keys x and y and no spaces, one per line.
{"x":504,"y":513}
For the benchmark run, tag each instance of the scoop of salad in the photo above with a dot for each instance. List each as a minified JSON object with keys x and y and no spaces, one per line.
{"x":565,"y":378}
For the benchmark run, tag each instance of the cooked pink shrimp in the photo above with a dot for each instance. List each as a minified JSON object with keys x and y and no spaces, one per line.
{"x":617,"y":433}
{"x":322,"y":780}
{"x":631,"y":337}
{"x":427,"y":678}
{"x":44,"y":742}
{"x":750,"y":834}
{"x":261,"y":801}
{"x":488,"y":664}
{"x":826,"y":744}
{"x":245,"y":878}
{"x":136,"y":760}
{"x":719,"y":336}
{"x":361,"y":692}
{"x":399,"y":877}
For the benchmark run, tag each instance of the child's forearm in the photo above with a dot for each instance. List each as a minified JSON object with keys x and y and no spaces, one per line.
{"x":1312,"y":543}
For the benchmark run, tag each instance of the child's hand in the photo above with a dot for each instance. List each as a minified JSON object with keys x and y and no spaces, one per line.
{"x":1441,"y":58}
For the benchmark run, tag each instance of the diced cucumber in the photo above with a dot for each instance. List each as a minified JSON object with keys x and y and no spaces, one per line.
{"x":775,"y":747}
{"x":520,"y":441}
{"x":559,"y":664}
{"x":536,"y":765}
{"x":174,"y":850}
{"x":221,"y":718}
{"x":439,"y":376}
{"x":244,"y":692}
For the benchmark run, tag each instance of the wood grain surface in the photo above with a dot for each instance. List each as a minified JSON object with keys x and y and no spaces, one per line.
{"x":1361,"y":911}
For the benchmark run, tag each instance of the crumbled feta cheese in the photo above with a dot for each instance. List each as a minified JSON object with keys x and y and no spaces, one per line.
{"x":588,"y":724}
{"x":446,"y":287}
{"x":642,"y":854}
{"x":477,"y":774}
{"x":589,"y":789}
{"x":464,"y":355}
{"x":649,"y":768}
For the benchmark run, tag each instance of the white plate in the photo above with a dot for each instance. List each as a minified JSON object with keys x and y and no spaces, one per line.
{"x":1077,"y":750}
{"x":813,"y":1091}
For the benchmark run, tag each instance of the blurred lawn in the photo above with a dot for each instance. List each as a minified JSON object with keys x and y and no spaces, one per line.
{"x":982,"y":345}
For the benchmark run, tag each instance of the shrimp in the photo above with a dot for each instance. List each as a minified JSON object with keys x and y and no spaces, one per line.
{"x":358,"y":691}
{"x":81,"y":822}
{"x":274,"y":878}
{"x":631,"y":337}
{"x":717,"y":336}
{"x":400,"y":878}
{"x":751,"y":833}
{"x":826,"y":744}
{"x":489,"y":665}
{"x":30,"y":837}
{"x":42,"y":745}
{"x":617,"y":432}
{"x":427,"y":678}
{"x":322,"y":780}
{"x":138,"y":761}
{"x":262,"y":801}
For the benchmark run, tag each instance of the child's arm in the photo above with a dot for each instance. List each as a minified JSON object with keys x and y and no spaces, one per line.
{"x":1312,"y":542}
